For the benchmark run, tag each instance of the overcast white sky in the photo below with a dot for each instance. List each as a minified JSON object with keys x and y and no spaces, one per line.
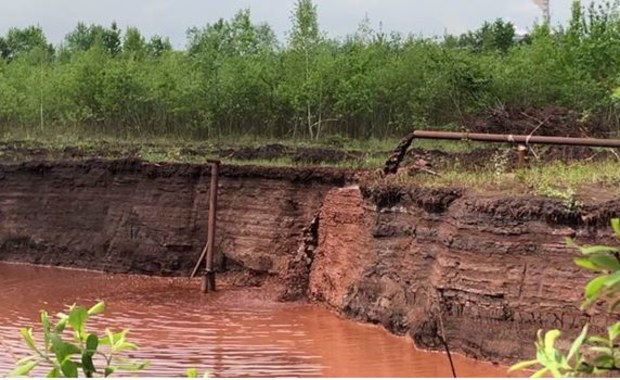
{"x":337,"y":17}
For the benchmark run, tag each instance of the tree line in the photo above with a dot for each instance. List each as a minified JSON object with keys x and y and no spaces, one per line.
{"x":236,"y":78}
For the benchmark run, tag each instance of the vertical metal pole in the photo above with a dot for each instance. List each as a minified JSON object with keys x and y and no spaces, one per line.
{"x":208,"y":280}
{"x":522,"y":152}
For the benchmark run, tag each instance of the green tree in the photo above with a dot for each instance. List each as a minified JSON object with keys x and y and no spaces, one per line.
{"x":496,"y":36}
{"x":83,"y":38}
{"x":134,"y":44}
{"x":305,"y":42}
{"x":158,"y":45}
{"x":20,"y":42}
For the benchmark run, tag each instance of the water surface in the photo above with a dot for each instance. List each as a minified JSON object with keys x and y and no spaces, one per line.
{"x":229,"y":333}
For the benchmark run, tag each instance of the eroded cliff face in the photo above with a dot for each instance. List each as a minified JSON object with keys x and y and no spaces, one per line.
{"x":495,"y":270}
{"x":129,"y":216}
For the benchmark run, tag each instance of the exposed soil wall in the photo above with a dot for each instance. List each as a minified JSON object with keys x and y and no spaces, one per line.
{"x":495,"y":269}
{"x":128,"y":216}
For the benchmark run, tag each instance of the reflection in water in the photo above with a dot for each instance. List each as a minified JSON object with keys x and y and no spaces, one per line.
{"x":230,"y":333}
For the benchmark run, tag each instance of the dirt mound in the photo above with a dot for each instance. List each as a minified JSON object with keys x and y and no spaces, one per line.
{"x":323,"y":155}
{"x":265,"y":152}
{"x":548,"y":121}
{"x":299,"y":155}
{"x":483,"y":157}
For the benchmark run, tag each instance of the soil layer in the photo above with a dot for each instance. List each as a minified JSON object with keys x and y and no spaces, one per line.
{"x":494,"y":268}
{"x":129,"y":216}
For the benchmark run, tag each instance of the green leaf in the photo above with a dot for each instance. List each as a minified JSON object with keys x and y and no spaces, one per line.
{"x":108,"y":371}
{"x":92,"y":342}
{"x":604,"y":350}
{"x":125,"y":346}
{"x":60,"y":326}
{"x":585,"y":263}
{"x":597,"y":249}
{"x":97,"y":309}
{"x":113,"y":338}
{"x":604,"y":361}
{"x":614,"y":331}
{"x":598,"y":339}
{"x":550,"y":338}
{"x":517,"y":367}
{"x":69,"y":369}
{"x":540,"y":373}
{"x":615,"y":225}
{"x":192,"y":373}
{"x":45,"y":322}
{"x":27,"y":335}
{"x":605,"y":262}
{"x":61,"y":349}
{"x":23,"y":369}
{"x":77,"y":319}
{"x":594,"y":287}
{"x":574,"y":348}
{"x":62,"y":322}
{"x":87,"y":364}
{"x":133,"y":366}
{"x":613,"y":280}
{"x":26,"y":359}
{"x":54,"y":373}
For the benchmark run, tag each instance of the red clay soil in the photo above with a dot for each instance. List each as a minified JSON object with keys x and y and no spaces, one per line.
{"x":130,"y":216}
{"x":494,"y":267}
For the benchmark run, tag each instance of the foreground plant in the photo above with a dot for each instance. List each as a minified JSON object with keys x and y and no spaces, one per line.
{"x":588,"y":355}
{"x":68,"y":348}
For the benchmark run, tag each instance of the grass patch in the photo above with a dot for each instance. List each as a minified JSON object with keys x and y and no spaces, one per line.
{"x":556,"y":180}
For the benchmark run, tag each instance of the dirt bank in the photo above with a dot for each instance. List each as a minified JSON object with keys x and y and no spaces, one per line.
{"x":548,"y":121}
{"x":506,"y":154}
{"x":130,"y":216}
{"x":495,"y":268}
{"x":19,"y":150}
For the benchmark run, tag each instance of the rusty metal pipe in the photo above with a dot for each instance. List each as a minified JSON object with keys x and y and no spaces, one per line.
{"x":208,"y":280}
{"x":517,"y":139}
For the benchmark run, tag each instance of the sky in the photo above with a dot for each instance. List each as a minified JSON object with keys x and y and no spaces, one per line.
{"x":337,"y":18}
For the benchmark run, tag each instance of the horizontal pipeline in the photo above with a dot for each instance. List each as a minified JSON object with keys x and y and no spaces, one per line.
{"x":517,"y":139}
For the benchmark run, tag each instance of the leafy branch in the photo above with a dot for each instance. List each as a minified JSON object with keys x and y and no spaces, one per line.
{"x":64,"y":358}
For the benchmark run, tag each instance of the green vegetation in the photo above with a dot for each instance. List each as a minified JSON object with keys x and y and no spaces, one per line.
{"x":588,"y":355}
{"x":554,"y":180}
{"x":85,"y":352}
{"x":94,"y":356}
{"x":235,"y":78}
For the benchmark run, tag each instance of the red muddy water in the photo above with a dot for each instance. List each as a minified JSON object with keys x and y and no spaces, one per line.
{"x":234,"y":332}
